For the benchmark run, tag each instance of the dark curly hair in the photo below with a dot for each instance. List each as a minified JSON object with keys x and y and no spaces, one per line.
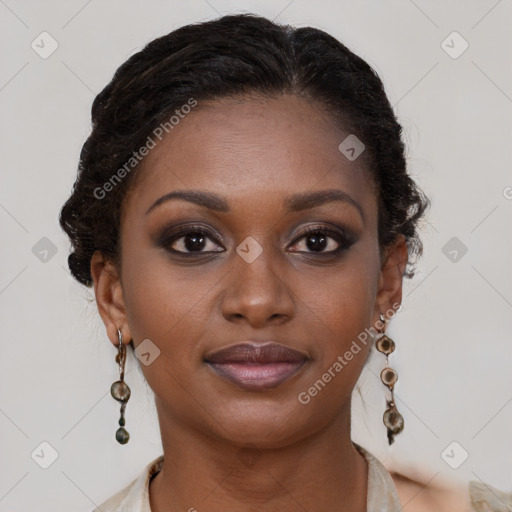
{"x":234,"y":55}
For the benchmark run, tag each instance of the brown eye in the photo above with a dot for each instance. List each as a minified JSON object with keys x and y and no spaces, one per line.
{"x":322,"y":240}
{"x":191,"y":239}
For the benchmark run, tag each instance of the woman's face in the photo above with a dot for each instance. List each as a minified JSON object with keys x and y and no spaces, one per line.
{"x":258,"y":174}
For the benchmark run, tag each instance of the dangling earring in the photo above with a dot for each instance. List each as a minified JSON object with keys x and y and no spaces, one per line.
{"x":392,"y":418}
{"x":120,"y":390}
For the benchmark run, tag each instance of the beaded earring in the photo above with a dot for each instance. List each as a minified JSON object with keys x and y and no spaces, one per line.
{"x":392,"y":418}
{"x":120,"y":391}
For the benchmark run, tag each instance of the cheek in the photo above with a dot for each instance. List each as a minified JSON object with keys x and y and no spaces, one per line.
{"x":343,"y":343}
{"x":162,"y":298}
{"x":343,"y":306}
{"x":167,"y":306}
{"x":347,"y":306}
{"x":354,"y":304}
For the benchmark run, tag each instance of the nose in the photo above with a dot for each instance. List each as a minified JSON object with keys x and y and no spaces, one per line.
{"x":257,"y":293}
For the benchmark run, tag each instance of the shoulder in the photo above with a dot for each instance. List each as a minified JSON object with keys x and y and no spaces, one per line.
{"x":135,"y":496}
{"x":422,"y":496}
{"x":115,"y":502}
{"x":128,"y":498}
{"x":485,"y":498}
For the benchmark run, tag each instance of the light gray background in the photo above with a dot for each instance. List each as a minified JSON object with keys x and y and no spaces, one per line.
{"x":453,"y":335}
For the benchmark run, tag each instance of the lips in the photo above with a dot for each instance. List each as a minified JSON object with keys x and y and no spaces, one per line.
{"x":256,"y":366}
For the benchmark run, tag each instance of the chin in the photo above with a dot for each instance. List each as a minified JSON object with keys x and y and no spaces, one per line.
{"x":265,"y":425}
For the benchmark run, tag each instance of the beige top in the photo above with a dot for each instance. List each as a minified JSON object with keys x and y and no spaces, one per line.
{"x":382,"y":494}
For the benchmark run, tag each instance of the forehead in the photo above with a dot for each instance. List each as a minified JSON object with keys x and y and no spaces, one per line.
{"x":252,"y":148}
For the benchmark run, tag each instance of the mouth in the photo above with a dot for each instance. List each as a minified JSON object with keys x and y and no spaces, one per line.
{"x":255,"y":366}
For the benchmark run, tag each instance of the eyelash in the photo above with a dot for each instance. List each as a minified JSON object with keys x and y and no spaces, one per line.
{"x":183,"y":232}
{"x":343,"y":239}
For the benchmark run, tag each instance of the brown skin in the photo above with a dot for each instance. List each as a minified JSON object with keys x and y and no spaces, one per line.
{"x":255,"y":154}
{"x":445,"y":496}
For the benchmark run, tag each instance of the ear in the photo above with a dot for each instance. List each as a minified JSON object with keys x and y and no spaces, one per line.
{"x":393,"y":264}
{"x":109,"y":298}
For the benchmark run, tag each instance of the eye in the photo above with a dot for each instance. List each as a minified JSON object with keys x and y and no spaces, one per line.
{"x":197,"y":240}
{"x":191,"y":239}
{"x":322,"y":240}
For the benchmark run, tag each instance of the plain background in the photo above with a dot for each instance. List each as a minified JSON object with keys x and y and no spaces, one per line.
{"x":453,"y":335}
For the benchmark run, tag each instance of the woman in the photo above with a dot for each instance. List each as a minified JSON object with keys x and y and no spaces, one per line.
{"x":245,"y":215}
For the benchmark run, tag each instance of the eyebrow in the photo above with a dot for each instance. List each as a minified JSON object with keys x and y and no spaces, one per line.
{"x":295,"y":203}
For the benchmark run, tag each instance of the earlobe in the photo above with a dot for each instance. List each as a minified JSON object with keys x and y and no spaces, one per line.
{"x":391,"y":276}
{"x":109,"y":297}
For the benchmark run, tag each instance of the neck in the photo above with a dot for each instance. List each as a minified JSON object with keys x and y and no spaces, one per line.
{"x":321,"y":472}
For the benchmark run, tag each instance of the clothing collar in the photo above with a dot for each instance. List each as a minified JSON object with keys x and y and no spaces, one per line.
{"x":381,"y":496}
